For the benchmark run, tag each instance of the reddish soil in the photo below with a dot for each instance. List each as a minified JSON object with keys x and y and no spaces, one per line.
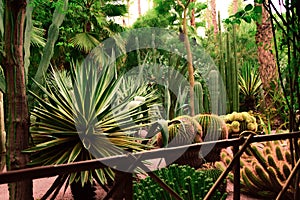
{"x":40,"y":187}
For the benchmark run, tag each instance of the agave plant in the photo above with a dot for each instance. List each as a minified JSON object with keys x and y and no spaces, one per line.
{"x":250,"y":84}
{"x":82,"y":122}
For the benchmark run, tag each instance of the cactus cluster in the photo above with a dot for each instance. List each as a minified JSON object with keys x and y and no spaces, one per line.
{"x":263,"y":177}
{"x":238,"y":122}
{"x":185,"y":130}
{"x":184,"y":180}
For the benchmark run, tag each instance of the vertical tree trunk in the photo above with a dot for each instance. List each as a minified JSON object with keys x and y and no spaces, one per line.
{"x":267,"y":68}
{"x":193,"y":21}
{"x":235,"y":4}
{"x":189,"y":55}
{"x":208,"y":16}
{"x":17,"y":115}
{"x":214,"y":16}
{"x":2,"y":126}
{"x":139,"y":8}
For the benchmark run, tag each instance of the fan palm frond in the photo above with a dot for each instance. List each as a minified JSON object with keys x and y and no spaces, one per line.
{"x":85,"y":41}
{"x":37,"y":38}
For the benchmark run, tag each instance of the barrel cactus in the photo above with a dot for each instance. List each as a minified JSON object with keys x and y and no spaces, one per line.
{"x":213,"y":128}
{"x":182,"y":130}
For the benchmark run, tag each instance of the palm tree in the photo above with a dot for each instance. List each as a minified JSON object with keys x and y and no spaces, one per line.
{"x":17,"y":118}
{"x":267,"y":64}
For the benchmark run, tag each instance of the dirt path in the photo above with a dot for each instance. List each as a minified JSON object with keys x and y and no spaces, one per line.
{"x":40,"y":186}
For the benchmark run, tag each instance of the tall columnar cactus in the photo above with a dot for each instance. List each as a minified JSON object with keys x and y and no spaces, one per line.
{"x":234,"y":71}
{"x":198,"y":95}
{"x":214,"y":89}
{"x":263,"y":177}
{"x":184,"y":180}
{"x":231,"y":72}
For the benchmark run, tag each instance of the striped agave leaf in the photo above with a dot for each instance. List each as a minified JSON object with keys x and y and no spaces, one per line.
{"x":82,"y":122}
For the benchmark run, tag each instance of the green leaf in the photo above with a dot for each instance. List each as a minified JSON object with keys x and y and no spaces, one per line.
{"x":248,"y":7}
{"x":85,"y":41}
{"x":247,"y":19}
{"x":258,"y":1}
{"x":258,"y":9}
{"x":75,"y":152}
{"x":227,"y":21}
{"x":239,"y":14}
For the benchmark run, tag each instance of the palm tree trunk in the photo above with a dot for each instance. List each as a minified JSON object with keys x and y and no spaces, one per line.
{"x":235,"y":6}
{"x":267,"y":68}
{"x":214,"y":16}
{"x":2,"y":127}
{"x":267,"y":65}
{"x":139,"y":8}
{"x":17,"y":115}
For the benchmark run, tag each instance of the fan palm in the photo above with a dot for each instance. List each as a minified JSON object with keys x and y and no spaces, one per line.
{"x":83,"y":122}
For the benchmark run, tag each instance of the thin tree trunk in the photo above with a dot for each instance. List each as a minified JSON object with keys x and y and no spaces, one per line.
{"x":2,"y":127}
{"x":17,"y":115}
{"x":193,"y":21}
{"x":139,"y":8}
{"x":214,"y":16}
{"x":208,"y":16}
{"x":189,"y":56}
{"x":235,"y":6}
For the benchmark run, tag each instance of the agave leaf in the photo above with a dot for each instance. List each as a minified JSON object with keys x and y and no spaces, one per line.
{"x":75,"y":152}
{"x":64,"y":157}
{"x":46,"y":145}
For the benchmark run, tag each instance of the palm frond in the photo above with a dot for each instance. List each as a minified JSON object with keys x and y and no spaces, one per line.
{"x":85,"y":41}
{"x":37,"y":36}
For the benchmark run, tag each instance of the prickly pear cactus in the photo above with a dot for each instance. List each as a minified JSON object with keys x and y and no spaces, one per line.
{"x":185,"y":180}
{"x":263,"y":177}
